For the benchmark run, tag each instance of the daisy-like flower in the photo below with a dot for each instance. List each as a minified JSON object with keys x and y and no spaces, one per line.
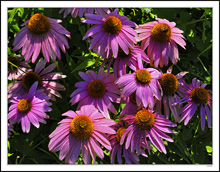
{"x":98,"y":90}
{"x":41,"y":33}
{"x":84,"y":127}
{"x":144,"y":124}
{"x":10,"y":129}
{"x":109,"y":32}
{"x":44,"y":78}
{"x":123,"y":60}
{"x":171,"y":90}
{"x":118,"y":149}
{"x":29,"y":108}
{"x":144,"y":81}
{"x":80,"y":11}
{"x":161,"y":37}
{"x":13,"y":72}
{"x":197,"y":95}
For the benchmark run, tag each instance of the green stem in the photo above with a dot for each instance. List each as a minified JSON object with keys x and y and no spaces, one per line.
{"x":204,"y":67}
{"x":49,"y":154}
{"x":57,"y":65}
{"x":15,"y":66}
{"x":31,"y":150}
{"x":210,"y":46}
{"x":198,"y":76}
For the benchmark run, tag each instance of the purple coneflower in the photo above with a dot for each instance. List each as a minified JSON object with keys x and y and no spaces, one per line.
{"x":196,"y":95}
{"x":109,"y":32}
{"x":144,"y":124}
{"x":98,"y":90}
{"x":84,"y":127}
{"x":123,"y":59}
{"x":44,"y":33}
{"x":80,"y":11}
{"x":161,"y":37}
{"x":14,"y":72}
{"x":144,"y":82}
{"x":10,"y":129}
{"x":171,"y":90}
{"x":118,"y":149}
{"x":29,"y":108}
{"x":44,"y":78}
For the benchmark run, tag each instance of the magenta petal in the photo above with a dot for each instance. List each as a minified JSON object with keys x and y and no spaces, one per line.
{"x":37,"y":47}
{"x":85,"y":152}
{"x":65,"y":148}
{"x":96,"y":147}
{"x":114,"y":46}
{"x":190,"y":113}
{"x":48,"y":69}
{"x":159,"y":141}
{"x":119,"y":155}
{"x":40,"y":65}
{"x":102,"y":138}
{"x":32,"y":89}
{"x":128,"y":140}
{"x":208,"y":115}
{"x":74,"y":154}
{"x":202,"y":113}
{"x":153,"y":141}
{"x":162,"y":135}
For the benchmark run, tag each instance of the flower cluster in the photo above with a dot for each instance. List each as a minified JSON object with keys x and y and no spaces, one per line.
{"x":150,"y":96}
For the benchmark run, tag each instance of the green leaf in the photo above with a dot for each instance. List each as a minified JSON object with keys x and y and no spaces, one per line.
{"x":163,"y":158}
{"x":209,"y":149}
{"x":11,"y":14}
{"x":10,"y":154}
{"x":21,"y":12}
{"x":174,"y":147}
{"x":84,"y":65}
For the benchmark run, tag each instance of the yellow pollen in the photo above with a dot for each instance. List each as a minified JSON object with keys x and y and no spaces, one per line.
{"x":119,"y":133}
{"x":96,"y":88}
{"x":112,"y":25}
{"x":39,"y":24}
{"x":82,"y":127}
{"x":132,"y":97}
{"x":143,"y":76}
{"x":161,"y":33}
{"x":29,"y":78}
{"x":24,"y":106}
{"x":199,"y":95}
{"x":169,"y":83}
{"x":144,"y":119}
{"x":13,"y":60}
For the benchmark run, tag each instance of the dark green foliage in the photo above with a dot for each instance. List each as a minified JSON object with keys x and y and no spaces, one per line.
{"x":191,"y":145}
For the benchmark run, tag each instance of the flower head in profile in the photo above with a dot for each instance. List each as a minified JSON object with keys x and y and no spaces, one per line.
{"x":14,"y":72}
{"x":119,"y":150}
{"x":81,"y":11}
{"x":171,"y":90}
{"x":144,"y":82}
{"x":98,"y":90}
{"x":145,"y":124}
{"x":196,"y":96}
{"x":161,"y":37}
{"x":41,"y":33}
{"x":44,"y":78}
{"x":84,"y":127}
{"x":10,"y":129}
{"x":122,"y":60}
{"x":109,"y":33}
{"x":29,"y":108}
